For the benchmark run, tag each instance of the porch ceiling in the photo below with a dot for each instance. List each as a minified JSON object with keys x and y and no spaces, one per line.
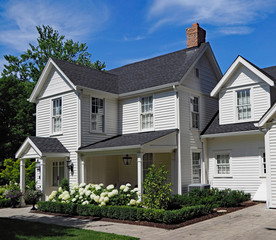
{"x":156,"y":141}
{"x":34,"y":147}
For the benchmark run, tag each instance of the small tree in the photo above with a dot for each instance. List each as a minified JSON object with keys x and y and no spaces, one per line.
{"x":157,"y":190}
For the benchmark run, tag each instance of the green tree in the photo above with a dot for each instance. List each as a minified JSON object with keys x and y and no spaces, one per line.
{"x":29,"y":65}
{"x":11,"y":171}
{"x":157,"y":190}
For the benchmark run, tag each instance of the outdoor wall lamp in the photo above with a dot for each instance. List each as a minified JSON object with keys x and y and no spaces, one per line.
{"x":70,"y":165}
{"x":127,"y":160}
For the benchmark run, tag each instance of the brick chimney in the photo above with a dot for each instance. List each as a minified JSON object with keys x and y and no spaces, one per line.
{"x":195,"y":35}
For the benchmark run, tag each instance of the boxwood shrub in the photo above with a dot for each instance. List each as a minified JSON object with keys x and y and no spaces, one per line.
{"x":5,"y":203}
{"x":126,"y":212}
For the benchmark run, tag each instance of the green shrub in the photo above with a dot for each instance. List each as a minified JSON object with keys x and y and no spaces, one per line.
{"x":88,"y":210}
{"x":65,"y":184}
{"x":5,"y":203}
{"x":157,"y":190}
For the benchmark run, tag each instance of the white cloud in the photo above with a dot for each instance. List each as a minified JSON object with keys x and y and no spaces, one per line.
{"x":137,"y":38}
{"x":214,"y":12}
{"x":74,"y":19}
{"x":239,"y":30}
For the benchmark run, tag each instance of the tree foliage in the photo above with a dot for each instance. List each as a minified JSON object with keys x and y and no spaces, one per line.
{"x":29,"y":65}
{"x":11,"y":171}
{"x":157,"y":189}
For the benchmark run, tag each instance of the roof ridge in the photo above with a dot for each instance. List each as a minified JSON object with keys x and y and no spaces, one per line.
{"x":159,"y":56}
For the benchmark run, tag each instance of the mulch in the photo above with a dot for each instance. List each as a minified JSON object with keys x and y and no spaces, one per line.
{"x":219,"y":212}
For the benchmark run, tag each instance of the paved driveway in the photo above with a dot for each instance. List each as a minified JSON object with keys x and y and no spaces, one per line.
{"x":252,"y":223}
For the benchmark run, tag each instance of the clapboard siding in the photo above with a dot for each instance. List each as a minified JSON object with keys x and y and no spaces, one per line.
{"x":207,"y":79}
{"x":129,"y":115}
{"x":55,"y":84}
{"x":43,"y":118}
{"x":245,"y":162}
{"x":164,"y":110}
{"x":272,"y":164}
{"x":260,"y":99}
{"x":110,"y":119}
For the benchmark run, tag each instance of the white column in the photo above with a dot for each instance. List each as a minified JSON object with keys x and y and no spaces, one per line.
{"x":179,"y":180}
{"x":83,"y":177}
{"x":140,"y":171}
{"x":204,"y":162}
{"x":174,"y":171}
{"x":22,"y":180}
{"x":43,"y":176}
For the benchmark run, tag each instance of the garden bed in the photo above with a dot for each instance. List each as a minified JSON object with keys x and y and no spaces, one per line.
{"x":156,"y":224}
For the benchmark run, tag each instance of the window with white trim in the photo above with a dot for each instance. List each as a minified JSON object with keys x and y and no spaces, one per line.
{"x":243,"y":104}
{"x":223,"y":164}
{"x":196,"y":167}
{"x":263,"y":164}
{"x":147,"y":162}
{"x":147,"y":112}
{"x":97,"y":114}
{"x":195,"y":112}
{"x":58,"y":173}
{"x":57,"y":115}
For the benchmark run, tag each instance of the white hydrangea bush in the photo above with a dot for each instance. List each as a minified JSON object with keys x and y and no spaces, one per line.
{"x":97,"y":194}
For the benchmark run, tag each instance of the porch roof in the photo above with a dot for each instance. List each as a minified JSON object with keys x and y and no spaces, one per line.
{"x":127,"y":140}
{"x":41,"y":146}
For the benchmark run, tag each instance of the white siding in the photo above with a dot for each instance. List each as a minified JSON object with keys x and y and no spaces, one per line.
{"x":207,"y":79}
{"x":55,"y":84}
{"x":43,"y":118}
{"x":272,"y":166}
{"x":245,"y":162}
{"x":111,"y":119}
{"x":129,"y":115}
{"x":164,"y":110}
{"x":243,"y":78}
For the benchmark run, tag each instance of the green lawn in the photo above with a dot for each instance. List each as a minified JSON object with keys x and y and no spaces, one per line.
{"x":19,"y":229}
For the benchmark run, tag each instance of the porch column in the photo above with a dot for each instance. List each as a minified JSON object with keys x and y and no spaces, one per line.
{"x":22,"y":180}
{"x":174,"y":171}
{"x":204,"y":162}
{"x":43,"y":176}
{"x":83,"y":177}
{"x":140,"y":171}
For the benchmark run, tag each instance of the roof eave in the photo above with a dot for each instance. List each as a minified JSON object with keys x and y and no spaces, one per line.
{"x":228,"y":134}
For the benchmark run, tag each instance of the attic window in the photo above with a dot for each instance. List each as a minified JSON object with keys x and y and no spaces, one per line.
{"x":197,"y":72}
{"x":243,"y":104}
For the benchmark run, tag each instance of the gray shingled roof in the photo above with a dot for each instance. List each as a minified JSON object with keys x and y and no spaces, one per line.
{"x":88,"y":77}
{"x":156,"y":71}
{"x":214,"y":127}
{"x":128,"y":139}
{"x":152,"y":72}
{"x":271,"y":71}
{"x":48,"y":145}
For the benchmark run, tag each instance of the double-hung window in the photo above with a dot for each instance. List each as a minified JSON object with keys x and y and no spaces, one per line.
{"x":223,"y":164}
{"x":195,"y":112}
{"x":263,"y":164}
{"x":196,"y":165}
{"x":97,"y":114}
{"x":147,"y":112}
{"x":58,"y":173}
{"x":243,"y":104}
{"x":57,"y":115}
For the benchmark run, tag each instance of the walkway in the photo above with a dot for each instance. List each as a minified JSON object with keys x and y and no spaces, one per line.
{"x":255,"y":222}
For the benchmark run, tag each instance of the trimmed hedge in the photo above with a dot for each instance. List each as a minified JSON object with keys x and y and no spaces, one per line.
{"x":126,"y":212}
{"x":5,"y":203}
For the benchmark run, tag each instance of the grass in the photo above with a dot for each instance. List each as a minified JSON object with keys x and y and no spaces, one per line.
{"x":19,"y":229}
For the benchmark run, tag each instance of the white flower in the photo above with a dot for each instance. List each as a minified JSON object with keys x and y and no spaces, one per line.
{"x":126,"y":189}
{"x":65,"y":195}
{"x":132,"y":202}
{"x":87,"y":193}
{"x":103,"y":194}
{"x":97,"y":199}
{"x":106,"y":199}
{"x":110,"y":194}
{"x":102,"y":204}
{"x":54,"y":200}
{"x":101,"y":199}
{"x":74,"y":200}
{"x":101,"y":184}
{"x":72,"y":192}
{"x":128,"y":185}
{"x":60,"y":189}
{"x":82,"y":185}
{"x":52,"y":195}
{"x":115,"y":192}
{"x":98,"y":187}
{"x":92,"y":196}
{"x":122,"y":187}
{"x":85,"y":203}
{"x":109,"y":187}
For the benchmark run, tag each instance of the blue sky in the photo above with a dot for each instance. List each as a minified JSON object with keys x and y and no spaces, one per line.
{"x":124,"y":31}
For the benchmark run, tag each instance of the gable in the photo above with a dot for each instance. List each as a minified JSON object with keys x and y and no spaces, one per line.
{"x":55,"y":84}
{"x":31,"y":153}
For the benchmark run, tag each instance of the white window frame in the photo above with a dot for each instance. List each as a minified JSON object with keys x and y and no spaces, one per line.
{"x":102,"y":116}
{"x":58,"y":175}
{"x":145,"y":113}
{"x":53,"y":132}
{"x":219,"y":175}
{"x":263,"y":164}
{"x":237,"y":106}
{"x":194,"y":113}
{"x":200,"y":164}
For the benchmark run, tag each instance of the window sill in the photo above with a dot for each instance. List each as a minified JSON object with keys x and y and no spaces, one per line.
{"x":147,"y":130}
{"x":262,"y":176}
{"x":97,"y":132}
{"x":56,"y":134}
{"x":223,"y":176}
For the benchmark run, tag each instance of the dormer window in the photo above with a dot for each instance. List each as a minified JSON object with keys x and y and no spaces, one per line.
{"x":243,"y":104}
{"x":57,"y":115}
